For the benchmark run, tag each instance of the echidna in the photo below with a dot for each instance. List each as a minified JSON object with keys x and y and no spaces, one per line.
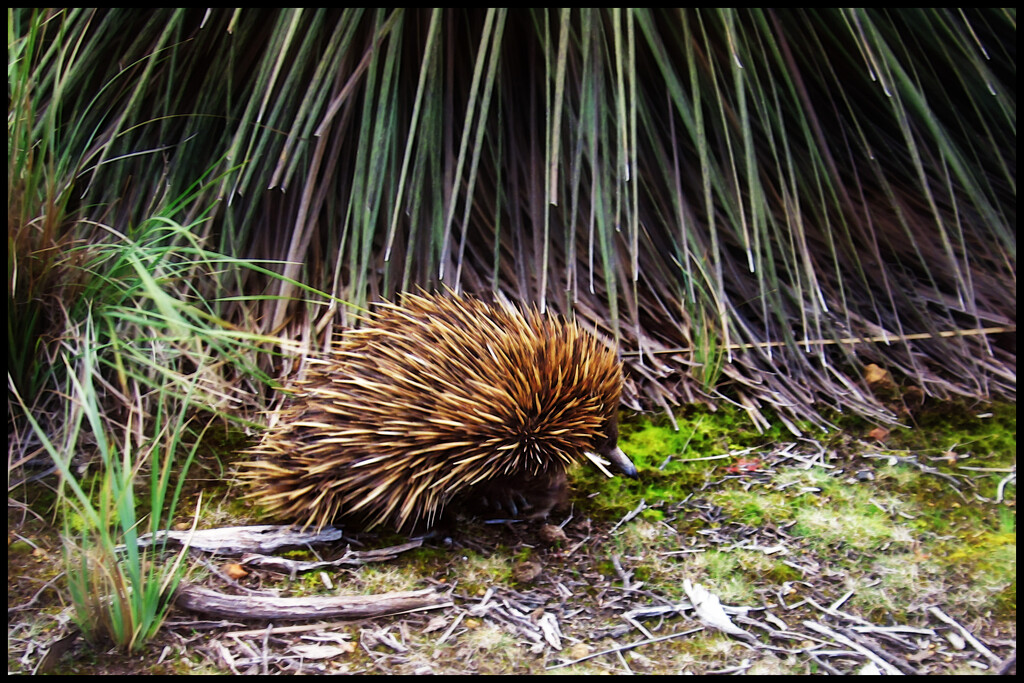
{"x":441,"y":401}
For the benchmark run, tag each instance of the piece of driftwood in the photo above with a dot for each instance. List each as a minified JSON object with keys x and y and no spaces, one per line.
{"x":225,"y":606}
{"x":235,"y":540}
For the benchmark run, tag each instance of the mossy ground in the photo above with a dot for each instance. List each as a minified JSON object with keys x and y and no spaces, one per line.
{"x":883,"y":528}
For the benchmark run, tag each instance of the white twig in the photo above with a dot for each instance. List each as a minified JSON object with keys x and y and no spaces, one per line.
{"x":885,"y":666}
{"x":942,"y":616}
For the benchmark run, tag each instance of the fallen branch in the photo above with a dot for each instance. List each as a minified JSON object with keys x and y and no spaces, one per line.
{"x":235,"y":540}
{"x":221,"y":605}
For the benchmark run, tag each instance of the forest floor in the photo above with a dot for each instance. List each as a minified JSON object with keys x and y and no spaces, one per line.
{"x":864,"y":550}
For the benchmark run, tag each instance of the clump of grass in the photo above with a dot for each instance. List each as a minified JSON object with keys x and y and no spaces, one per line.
{"x":141,"y":369}
{"x":120,"y":593}
{"x":146,"y":367}
{"x":119,"y":355}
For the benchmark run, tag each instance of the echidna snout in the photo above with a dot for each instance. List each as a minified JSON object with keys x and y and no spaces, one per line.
{"x":609,"y":448}
{"x":436,"y":402}
{"x":621,"y":461}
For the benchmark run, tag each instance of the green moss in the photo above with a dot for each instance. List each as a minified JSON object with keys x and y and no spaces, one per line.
{"x":989,"y":431}
{"x":907,"y":525}
{"x":653,"y":514}
{"x":989,"y":562}
{"x":756,"y":507}
{"x":672,"y":464}
{"x":780,"y":573}
{"x":19,"y":548}
{"x":653,"y":443}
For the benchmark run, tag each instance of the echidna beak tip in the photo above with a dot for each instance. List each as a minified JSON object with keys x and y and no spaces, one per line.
{"x":622,"y":462}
